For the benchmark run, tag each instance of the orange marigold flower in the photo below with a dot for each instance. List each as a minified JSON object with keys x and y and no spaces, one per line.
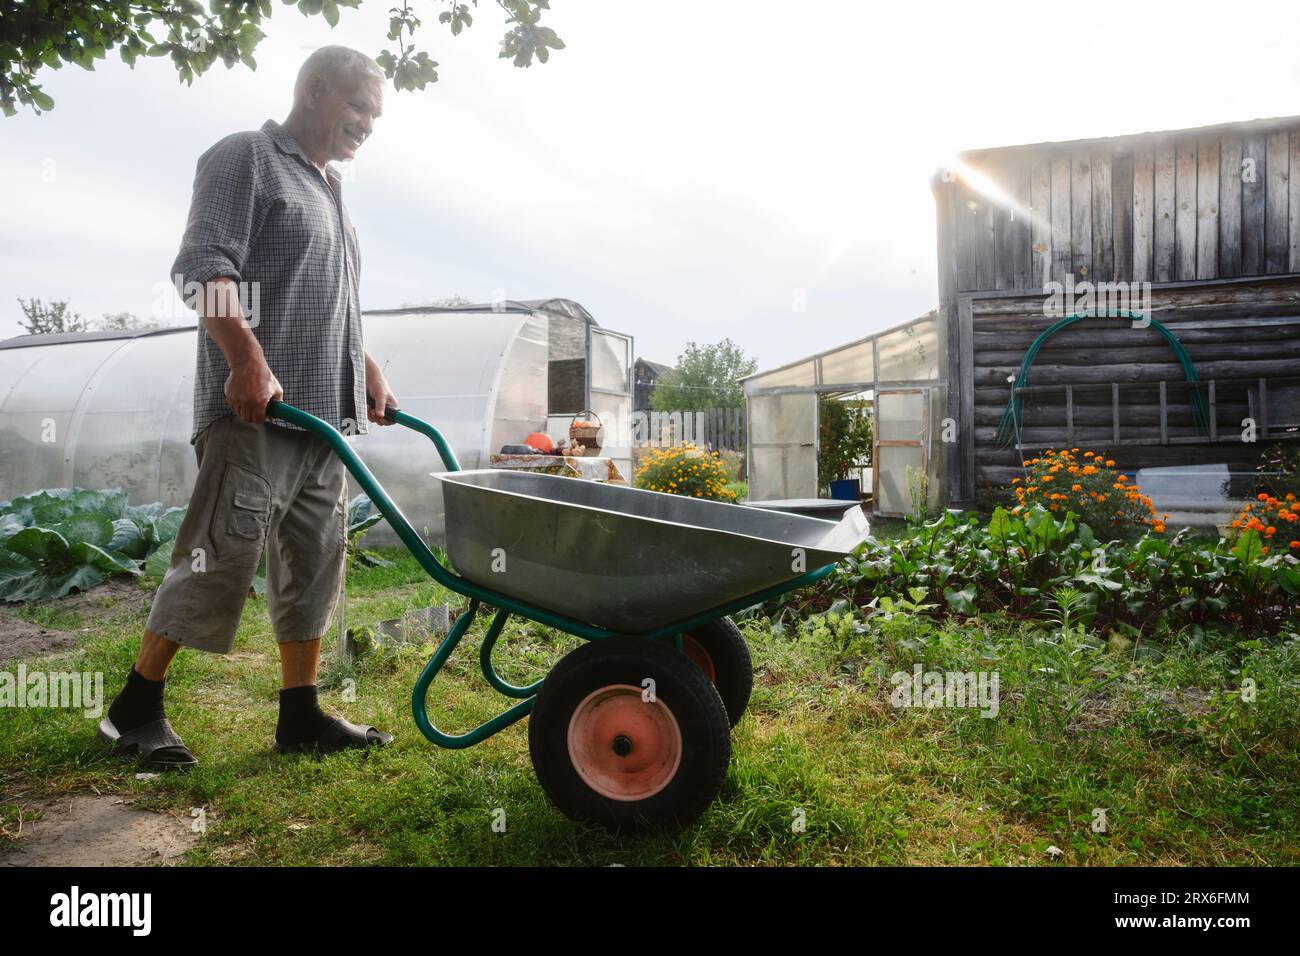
{"x":1261,"y":497}
{"x":1110,"y":462}
{"x":1076,"y":487}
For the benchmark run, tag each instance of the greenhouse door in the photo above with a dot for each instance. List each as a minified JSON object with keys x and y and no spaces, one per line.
{"x":902,"y":449}
{"x":782,"y":446}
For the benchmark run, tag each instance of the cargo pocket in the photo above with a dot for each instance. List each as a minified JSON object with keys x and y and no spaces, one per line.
{"x":242,"y":516}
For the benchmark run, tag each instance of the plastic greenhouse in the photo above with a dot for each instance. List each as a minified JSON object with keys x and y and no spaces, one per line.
{"x":103,"y":410}
{"x":899,"y":372}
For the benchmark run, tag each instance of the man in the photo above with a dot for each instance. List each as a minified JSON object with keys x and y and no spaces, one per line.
{"x":267,"y":226}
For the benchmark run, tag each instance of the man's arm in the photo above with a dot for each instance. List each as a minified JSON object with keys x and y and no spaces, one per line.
{"x":379,"y":392}
{"x":224,"y":218}
{"x":250,"y":384}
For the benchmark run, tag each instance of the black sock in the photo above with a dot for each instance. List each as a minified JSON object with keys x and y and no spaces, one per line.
{"x":301,"y":719}
{"x":139,"y":703}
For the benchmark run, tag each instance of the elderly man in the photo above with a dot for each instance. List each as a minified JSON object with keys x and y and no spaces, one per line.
{"x":270,"y":262}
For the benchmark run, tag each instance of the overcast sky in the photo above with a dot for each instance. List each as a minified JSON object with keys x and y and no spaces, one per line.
{"x":687,"y":171}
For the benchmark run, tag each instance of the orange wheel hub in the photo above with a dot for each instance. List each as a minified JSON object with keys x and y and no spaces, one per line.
{"x":623,"y":747}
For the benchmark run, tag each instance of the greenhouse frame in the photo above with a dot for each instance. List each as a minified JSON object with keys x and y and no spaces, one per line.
{"x":900,"y":372}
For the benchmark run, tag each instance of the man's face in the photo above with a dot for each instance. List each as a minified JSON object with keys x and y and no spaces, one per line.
{"x":348,"y":109}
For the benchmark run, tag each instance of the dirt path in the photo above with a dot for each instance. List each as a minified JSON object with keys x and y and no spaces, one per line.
{"x":21,"y":638}
{"x":87,"y":829}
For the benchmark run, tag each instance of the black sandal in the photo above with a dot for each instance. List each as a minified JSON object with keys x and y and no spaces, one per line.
{"x":156,"y":744}
{"x":339,"y":735}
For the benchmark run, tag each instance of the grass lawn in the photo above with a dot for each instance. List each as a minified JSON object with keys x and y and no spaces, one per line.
{"x":1182,"y":776}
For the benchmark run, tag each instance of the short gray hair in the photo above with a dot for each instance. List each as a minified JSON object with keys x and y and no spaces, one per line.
{"x":333,"y":62}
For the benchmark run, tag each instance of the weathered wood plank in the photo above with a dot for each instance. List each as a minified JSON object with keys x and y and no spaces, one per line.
{"x":1089,"y":354}
{"x":1276,"y":224}
{"x":1022,"y":275}
{"x":1097,"y":336}
{"x":1165,"y":251}
{"x":1181,"y":414}
{"x":1081,"y":218}
{"x":1103,"y":220}
{"x":966,"y":418}
{"x":1293,"y":204}
{"x":965,"y":236}
{"x":1121,"y":186}
{"x":1230,"y":207}
{"x":1133,"y":372}
{"x":1254,"y":185}
{"x":987,"y":215}
{"x":1040,"y":209}
{"x":1207,"y":208}
{"x":1185,"y":210}
{"x":1000,"y":232}
{"x":1061,"y":251}
{"x":1144,"y":200}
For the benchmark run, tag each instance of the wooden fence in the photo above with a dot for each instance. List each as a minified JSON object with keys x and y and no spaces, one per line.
{"x":720,"y":429}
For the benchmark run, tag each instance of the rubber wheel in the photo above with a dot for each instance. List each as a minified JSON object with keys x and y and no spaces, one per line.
{"x":718,"y":648}
{"x":602,"y":752}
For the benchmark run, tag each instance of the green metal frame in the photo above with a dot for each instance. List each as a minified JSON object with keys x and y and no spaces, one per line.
{"x":478,"y":595}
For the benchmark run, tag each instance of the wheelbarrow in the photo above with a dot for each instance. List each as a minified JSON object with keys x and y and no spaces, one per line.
{"x":632,"y":729}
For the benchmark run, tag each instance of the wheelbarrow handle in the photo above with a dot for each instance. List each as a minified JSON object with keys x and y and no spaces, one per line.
{"x":390,"y":411}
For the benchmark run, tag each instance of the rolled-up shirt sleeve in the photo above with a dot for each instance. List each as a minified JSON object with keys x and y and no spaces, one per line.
{"x":223,"y":219}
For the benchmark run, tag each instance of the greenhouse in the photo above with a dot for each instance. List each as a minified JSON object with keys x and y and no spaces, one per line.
{"x":114,"y":409}
{"x":895,"y":379}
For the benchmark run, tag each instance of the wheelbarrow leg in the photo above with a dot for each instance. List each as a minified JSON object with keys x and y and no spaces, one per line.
{"x":419,"y":696}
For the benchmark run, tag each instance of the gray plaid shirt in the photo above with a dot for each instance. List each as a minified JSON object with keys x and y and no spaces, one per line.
{"x":263,"y":215}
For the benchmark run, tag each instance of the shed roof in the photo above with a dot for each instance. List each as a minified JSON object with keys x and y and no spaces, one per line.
{"x":1235,"y":128}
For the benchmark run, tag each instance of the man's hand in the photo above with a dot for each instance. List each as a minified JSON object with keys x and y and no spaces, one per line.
{"x":381,"y":396}
{"x":249,"y":387}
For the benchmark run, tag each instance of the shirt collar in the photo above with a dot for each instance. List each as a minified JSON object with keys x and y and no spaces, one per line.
{"x":285,"y":142}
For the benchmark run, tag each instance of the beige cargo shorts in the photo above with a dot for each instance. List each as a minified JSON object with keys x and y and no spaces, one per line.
{"x":260,"y":487}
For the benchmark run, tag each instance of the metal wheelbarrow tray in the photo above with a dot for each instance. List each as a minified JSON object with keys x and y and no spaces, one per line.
{"x":624,"y":559}
{"x":632,"y":728}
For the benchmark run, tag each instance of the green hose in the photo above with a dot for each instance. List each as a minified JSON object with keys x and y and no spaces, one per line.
{"x":1010,"y":424}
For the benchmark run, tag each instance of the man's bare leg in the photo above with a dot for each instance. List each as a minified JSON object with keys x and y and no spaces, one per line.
{"x":302,"y":724}
{"x":155,"y":656}
{"x":298,"y":662}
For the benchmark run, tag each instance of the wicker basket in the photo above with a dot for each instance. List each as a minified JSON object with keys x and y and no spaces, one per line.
{"x":586,"y":434}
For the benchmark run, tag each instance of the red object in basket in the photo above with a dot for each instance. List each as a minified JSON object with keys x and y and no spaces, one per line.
{"x":541,"y":441}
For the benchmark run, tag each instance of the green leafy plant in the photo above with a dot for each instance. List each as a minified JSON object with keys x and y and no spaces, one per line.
{"x":59,"y":540}
{"x":1031,"y":563}
{"x":360,"y":520}
{"x":844,"y":442}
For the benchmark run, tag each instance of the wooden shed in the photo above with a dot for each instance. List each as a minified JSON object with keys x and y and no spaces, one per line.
{"x":1198,"y":230}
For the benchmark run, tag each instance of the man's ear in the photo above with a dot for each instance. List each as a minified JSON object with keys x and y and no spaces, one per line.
{"x":316,"y":90}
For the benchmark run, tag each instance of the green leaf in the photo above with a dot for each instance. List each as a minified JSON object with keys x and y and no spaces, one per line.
{"x":167,"y":524}
{"x":93,"y":528}
{"x":20,"y":579}
{"x":155,"y":566}
{"x":104,"y":560}
{"x":331,"y":12}
{"x":963,"y":601}
{"x":130,"y":538}
{"x":39,"y":545}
